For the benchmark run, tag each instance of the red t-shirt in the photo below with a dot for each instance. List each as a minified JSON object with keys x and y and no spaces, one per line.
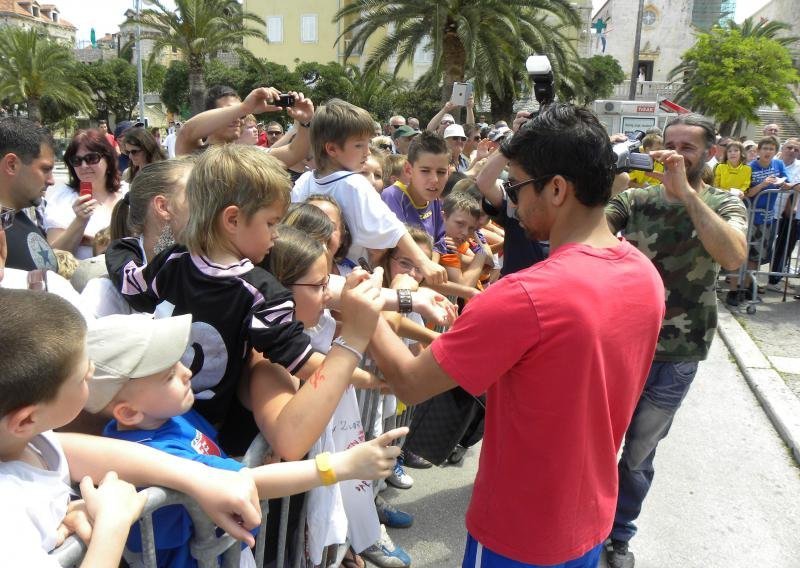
{"x":572,"y":339}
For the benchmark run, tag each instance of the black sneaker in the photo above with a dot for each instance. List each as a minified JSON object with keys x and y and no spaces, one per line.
{"x":618,"y":555}
{"x":415,"y":461}
{"x":732,"y":298}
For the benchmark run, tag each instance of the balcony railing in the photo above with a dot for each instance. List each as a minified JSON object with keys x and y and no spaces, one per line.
{"x":647,"y":90}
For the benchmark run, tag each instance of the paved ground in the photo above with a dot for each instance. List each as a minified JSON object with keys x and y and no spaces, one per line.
{"x":775,"y":327}
{"x":725,"y":493}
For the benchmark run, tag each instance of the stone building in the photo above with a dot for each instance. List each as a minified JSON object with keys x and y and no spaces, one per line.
{"x":32,"y":14}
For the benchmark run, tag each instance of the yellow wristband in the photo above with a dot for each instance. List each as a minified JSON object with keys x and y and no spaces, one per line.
{"x":326,"y":473}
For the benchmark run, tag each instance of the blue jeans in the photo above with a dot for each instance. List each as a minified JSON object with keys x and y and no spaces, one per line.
{"x":665,"y":389}
{"x":476,"y":556}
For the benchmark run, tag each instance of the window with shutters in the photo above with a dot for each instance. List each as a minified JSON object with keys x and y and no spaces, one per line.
{"x":308,"y":28}
{"x":275,"y":29}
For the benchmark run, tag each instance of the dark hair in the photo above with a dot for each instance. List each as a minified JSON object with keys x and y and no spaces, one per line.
{"x":335,"y":122}
{"x":426,"y":142}
{"x":95,"y":141}
{"x":419,"y":236}
{"x":213,"y":94}
{"x":43,"y":336}
{"x":709,"y":134}
{"x":569,"y":141}
{"x":769,"y":140}
{"x":311,"y":220}
{"x":461,"y":201}
{"x":142,"y":139}
{"x":451,"y":182}
{"x":345,"y":238}
{"x":23,"y":137}
{"x":293,"y":254}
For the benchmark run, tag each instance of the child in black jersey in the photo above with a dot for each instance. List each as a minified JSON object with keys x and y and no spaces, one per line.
{"x":236,"y":195}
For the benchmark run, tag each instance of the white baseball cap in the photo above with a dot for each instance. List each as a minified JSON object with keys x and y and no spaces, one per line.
{"x":125,"y":347}
{"x":454,"y":130}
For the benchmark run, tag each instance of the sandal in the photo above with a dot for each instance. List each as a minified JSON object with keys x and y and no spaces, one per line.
{"x":352,"y":560}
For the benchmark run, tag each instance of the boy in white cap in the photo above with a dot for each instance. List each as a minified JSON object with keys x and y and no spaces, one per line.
{"x":141,"y":383}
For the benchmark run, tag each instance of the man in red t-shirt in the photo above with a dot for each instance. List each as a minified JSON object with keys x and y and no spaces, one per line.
{"x":563,"y":364}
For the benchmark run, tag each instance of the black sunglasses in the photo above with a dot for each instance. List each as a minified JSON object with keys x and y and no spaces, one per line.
{"x":6,"y":217}
{"x":385,"y":146}
{"x":512,"y":189}
{"x":90,"y":159}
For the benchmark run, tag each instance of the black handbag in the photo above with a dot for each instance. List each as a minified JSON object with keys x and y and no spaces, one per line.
{"x":440,"y":423}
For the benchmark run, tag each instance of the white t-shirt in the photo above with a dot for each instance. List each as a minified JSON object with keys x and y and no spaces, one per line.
{"x":370,"y":221}
{"x":169,"y":144}
{"x":18,"y":280}
{"x":34,"y":502}
{"x":58,"y":214}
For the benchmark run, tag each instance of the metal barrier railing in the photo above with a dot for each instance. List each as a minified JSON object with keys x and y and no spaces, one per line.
{"x":205,"y":545}
{"x":769,"y":242}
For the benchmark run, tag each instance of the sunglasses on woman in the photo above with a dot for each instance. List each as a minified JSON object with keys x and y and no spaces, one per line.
{"x":89,"y":159}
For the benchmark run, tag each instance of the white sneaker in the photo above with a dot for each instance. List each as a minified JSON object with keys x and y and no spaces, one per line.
{"x":399,"y":478}
{"x":386,"y":554}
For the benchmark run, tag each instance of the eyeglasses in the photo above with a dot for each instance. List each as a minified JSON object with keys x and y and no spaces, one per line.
{"x":132,"y":151}
{"x":90,"y":159}
{"x":512,"y":190}
{"x":321,"y":285}
{"x":385,"y":146}
{"x":396,"y":125}
{"x":459,"y":138}
{"x":6,"y":217}
{"x":406,"y":265}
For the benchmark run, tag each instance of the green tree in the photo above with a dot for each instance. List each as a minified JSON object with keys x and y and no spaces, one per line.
{"x":33,"y":66}
{"x":486,"y":40}
{"x":175,"y":88}
{"x":154,"y":74}
{"x":199,"y":29}
{"x":601,"y":74}
{"x":730,"y":72}
{"x":113,"y":86}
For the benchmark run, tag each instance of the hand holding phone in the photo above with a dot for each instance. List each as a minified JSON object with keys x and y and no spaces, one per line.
{"x":364,"y":263}
{"x":85,"y":188}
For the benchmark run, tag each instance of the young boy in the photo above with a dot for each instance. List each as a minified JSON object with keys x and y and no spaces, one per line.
{"x":340,"y":136}
{"x":44,"y":386}
{"x":394,"y":170}
{"x":419,"y":204}
{"x":141,"y":383}
{"x":462,"y":251}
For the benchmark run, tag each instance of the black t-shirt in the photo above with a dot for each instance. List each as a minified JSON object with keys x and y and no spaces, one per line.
{"x":233,"y":308}
{"x":519,"y":251}
{"x":28,"y":248}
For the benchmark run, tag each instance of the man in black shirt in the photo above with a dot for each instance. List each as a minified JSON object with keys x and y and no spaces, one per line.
{"x":26,"y":171}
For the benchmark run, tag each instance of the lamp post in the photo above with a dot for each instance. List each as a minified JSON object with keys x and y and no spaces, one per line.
{"x":637,"y":40}
{"x":139,"y":73}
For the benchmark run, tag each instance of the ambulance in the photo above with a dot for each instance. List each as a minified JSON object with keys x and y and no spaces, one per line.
{"x":629,"y":116}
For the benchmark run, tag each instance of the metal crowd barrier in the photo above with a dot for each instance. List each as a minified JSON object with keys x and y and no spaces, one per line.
{"x":772,"y":240}
{"x":205,"y":545}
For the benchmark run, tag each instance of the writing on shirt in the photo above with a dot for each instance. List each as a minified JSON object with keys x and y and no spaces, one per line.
{"x":204,"y":445}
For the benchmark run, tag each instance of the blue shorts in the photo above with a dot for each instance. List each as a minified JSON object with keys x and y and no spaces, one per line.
{"x":476,"y":556}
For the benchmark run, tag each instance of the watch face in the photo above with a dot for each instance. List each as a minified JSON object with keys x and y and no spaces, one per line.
{"x":649,"y":17}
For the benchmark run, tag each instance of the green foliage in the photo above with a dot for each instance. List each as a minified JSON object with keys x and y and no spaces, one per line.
{"x":601,"y":74}
{"x":421,"y":103}
{"x":154,"y":74}
{"x":33,"y":66}
{"x":218,"y":73}
{"x":485,"y":41}
{"x":113,"y":86}
{"x":325,"y":81}
{"x":729,"y":74}
{"x":175,"y":88}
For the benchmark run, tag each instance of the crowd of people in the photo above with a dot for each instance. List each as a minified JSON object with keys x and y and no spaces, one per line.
{"x":244,"y":280}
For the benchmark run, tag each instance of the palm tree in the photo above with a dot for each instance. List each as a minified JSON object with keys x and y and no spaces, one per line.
{"x":199,"y":29}
{"x":486,"y":40}
{"x":33,"y":66}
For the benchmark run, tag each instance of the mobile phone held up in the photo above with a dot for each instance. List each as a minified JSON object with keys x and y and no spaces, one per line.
{"x":461,"y":93}
{"x":86,"y":188}
{"x":364,"y":263}
{"x":285,"y":101}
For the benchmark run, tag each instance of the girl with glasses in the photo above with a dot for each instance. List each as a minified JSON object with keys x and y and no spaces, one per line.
{"x":142,"y":149}
{"x":72,"y":216}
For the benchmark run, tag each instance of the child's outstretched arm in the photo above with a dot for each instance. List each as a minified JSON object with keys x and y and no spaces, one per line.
{"x":369,"y":460}
{"x":229,"y":498}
